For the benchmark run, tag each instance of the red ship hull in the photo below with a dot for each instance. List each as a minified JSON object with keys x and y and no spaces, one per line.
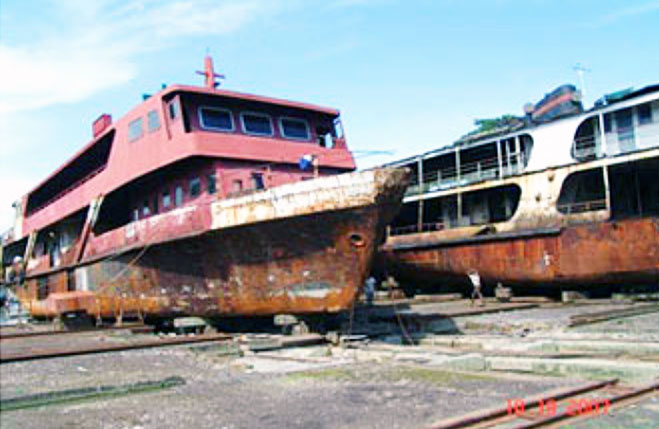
{"x":588,"y":254}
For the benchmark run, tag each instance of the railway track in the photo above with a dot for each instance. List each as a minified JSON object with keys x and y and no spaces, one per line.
{"x":45,"y":333}
{"x":554,"y":408}
{"x":22,"y":353}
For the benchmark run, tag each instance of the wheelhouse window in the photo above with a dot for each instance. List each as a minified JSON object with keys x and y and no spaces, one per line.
{"x":153,"y":121}
{"x":146,"y":210}
{"x":257,"y":181}
{"x":324,"y":136}
{"x":135,"y":129}
{"x":178,"y":196}
{"x":582,"y":191}
{"x":338,"y":127}
{"x":295,"y":129}
{"x":256,"y":124}
{"x":195,"y":187}
{"x":173,"y":110}
{"x":211,"y":183}
{"x":212,"y":118}
{"x":166,"y":199}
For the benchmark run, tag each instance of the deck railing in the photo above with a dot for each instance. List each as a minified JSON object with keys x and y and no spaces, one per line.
{"x":471,"y":172}
{"x":411,"y":229}
{"x":582,"y":206}
{"x":585,"y":147}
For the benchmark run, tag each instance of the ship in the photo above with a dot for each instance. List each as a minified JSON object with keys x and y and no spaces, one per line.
{"x":560,"y":197}
{"x":206,"y":202}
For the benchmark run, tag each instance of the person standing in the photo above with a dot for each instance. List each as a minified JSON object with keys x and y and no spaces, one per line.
{"x":475,"y":279}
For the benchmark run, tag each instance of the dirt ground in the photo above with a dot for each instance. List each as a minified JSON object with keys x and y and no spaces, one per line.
{"x":372,"y":384}
{"x":227,"y":392}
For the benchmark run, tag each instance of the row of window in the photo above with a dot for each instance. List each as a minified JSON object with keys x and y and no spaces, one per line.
{"x":136,"y":128}
{"x":253,"y":123}
{"x":624,"y":120}
{"x":165,"y":201}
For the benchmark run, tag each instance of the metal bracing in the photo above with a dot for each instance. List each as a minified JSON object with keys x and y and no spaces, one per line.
{"x":600,"y":117}
{"x":607,"y":188}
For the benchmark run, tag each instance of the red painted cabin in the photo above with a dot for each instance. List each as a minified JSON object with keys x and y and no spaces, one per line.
{"x":181,"y":146}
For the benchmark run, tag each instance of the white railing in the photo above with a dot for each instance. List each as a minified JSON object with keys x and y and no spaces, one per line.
{"x":585,"y":147}
{"x":471,"y":172}
{"x":582,"y":206}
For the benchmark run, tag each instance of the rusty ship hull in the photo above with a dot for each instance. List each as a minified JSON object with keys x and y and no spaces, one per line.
{"x":586,"y":255}
{"x":564,"y":196}
{"x":301,"y":248}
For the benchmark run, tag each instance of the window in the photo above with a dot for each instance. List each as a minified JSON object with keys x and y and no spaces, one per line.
{"x":215,"y":119}
{"x":166,"y":199}
{"x":257,"y":181}
{"x":607,"y":123}
{"x":195,"y":187}
{"x":237,"y":185}
{"x":324,"y":137}
{"x":296,"y":129}
{"x":153,"y":121}
{"x":155,"y":205}
{"x":136,"y":215}
{"x":135,"y":130}
{"x":173,"y":110}
{"x":178,"y":196}
{"x":256,"y":124}
{"x":211,"y":183}
{"x":644,"y":114}
{"x":145,"y":208}
{"x":338,"y":127}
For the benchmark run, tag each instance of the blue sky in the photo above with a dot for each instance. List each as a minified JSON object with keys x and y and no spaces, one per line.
{"x":408,"y":76}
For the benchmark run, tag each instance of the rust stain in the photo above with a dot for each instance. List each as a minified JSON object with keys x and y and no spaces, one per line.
{"x":312,"y":260}
{"x":586,"y":254}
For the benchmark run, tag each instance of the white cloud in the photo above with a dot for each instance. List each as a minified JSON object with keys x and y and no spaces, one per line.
{"x":622,"y":13}
{"x":85,"y":47}
{"x":32,"y":79}
{"x":95,"y":46}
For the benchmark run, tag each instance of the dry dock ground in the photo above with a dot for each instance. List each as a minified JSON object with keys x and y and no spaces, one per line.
{"x":419,"y":366}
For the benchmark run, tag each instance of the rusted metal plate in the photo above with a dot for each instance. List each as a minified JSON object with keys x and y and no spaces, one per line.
{"x":306,"y":248}
{"x":587,"y":254}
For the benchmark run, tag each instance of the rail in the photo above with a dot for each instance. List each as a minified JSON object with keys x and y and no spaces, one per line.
{"x":411,"y":229}
{"x":471,"y":172}
{"x":585,"y":148}
{"x":582,"y":206}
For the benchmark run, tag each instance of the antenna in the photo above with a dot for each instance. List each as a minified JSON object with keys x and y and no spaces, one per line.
{"x":580,"y":71}
{"x":209,"y":73}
